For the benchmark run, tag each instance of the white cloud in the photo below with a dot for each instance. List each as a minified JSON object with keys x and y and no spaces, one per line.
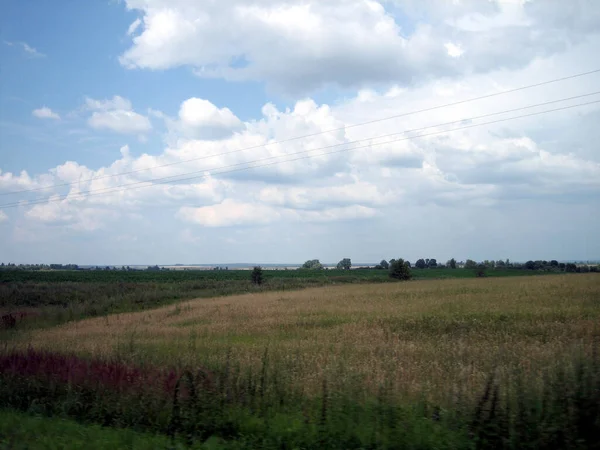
{"x":31,"y":51}
{"x":45,"y":113}
{"x":320,"y":198}
{"x":116,"y":115}
{"x":3,"y":216}
{"x":23,"y":181}
{"x":476,"y":167}
{"x":541,"y":173}
{"x":28,"y":49}
{"x":352,"y":43}
{"x":453,"y":50}
{"x":133,"y":27}
{"x":71,"y":215}
{"x":231,"y":213}
{"x":120,"y":121}
{"x":199,"y":118}
{"x":117,"y":102}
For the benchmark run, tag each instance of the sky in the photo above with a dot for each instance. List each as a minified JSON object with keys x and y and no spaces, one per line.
{"x":277,"y":131}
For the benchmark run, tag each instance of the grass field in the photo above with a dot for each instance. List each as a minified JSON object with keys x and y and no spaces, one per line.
{"x":54,"y":297}
{"x":424,"y":336}
{"x":319,"y":367}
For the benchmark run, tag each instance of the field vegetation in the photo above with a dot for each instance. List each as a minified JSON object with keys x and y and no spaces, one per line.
{"x":48,"y":297}
{"x":505,"y":362}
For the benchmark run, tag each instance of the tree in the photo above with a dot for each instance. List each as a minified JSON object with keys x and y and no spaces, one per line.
{"x":257,"y":275}
{"x":420,"y":264}
{"x":312,"y":264}
{"x":554,"y":263}
{"x":432,"y":263}
{"x":451,"y":263}
{"x":530,"y":265}
{"x":384,"y":264}
{"x":400,"y":270}
{"x":470,"y":264}
{"x":480,"y":270}
{"x":570,"y":267}
{"x":345,"y":264}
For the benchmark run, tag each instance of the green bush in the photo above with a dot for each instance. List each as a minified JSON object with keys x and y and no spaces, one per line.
{"x":257,"y":276}
{"x":400,"y":270}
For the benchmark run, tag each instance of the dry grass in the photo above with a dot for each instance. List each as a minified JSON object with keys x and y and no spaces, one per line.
{"x":422,"y":336}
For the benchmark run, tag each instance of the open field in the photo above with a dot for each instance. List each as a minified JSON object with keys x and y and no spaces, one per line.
{"x":387,"y":365}
{"x":53,"y":297}
{"x":422,"y":336}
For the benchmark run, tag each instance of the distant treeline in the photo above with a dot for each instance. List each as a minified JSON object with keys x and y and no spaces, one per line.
{"x":432,"y":263}
{"x":346,"y":264}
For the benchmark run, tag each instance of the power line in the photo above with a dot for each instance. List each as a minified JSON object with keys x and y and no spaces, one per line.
{"x":346,"y":127}
{"x":161,"y":181}
{"x":174,"y":177}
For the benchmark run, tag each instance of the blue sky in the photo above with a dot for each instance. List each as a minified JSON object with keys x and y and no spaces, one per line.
{"x":105,"y":88}
{"x":81,"y":43}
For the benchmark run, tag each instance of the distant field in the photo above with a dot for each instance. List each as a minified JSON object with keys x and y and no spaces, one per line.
{"x":276,"y":276}
{"x":53,"y":297}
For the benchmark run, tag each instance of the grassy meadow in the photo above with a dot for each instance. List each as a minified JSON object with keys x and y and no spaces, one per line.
{"x":504,"y":362}
{"x":423,"y":336}
{"x":52,"y":297}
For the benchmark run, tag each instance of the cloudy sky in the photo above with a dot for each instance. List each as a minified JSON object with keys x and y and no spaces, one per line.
{"x":275,"y":131}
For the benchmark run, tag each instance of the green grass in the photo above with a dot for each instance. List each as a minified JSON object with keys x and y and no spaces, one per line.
{"x":20,"y":431}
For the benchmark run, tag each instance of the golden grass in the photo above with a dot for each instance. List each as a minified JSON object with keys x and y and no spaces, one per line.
{"x":421,"y":336}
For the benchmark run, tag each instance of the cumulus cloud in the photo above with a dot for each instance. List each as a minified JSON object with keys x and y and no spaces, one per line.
{"x":201,"y":119}
{"x":216,"y":171}
{"x":124,"y":122}
{"x":3,"y":216}
{"x":23,"y":181}
{"x":70,"y":214}
{"x":116,"y":115}
{"x":45,"y":113}
{"x":479,"y":167}
{"x":301,"y":47}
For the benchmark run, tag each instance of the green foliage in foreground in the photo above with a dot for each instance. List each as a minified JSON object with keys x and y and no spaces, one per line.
{"x":20,"y":431}
{"x":254,"y":411}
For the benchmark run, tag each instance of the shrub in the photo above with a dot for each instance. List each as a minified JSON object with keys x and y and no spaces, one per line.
{"x":480,"y":271}
{"x":257,"y":276}
{"x":400,"y":270}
